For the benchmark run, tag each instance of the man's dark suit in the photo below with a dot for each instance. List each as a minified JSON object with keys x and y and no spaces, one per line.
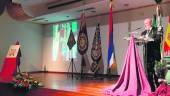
{"x":152,"y":54}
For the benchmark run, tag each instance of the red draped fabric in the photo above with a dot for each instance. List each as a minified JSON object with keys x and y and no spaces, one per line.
{"x":8,"y":70}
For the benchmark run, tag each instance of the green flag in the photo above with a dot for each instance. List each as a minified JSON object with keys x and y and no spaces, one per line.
{"x":154,"y":24}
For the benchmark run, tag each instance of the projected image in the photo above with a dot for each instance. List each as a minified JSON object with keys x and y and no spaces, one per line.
{"x":61,"y":34}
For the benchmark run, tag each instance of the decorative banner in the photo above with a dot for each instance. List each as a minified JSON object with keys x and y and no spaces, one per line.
{"x":71,"y":40}
{"x":96,"y":51}
{"x":13,"y":51}
{"x":82,"y":42}
{"x":96,"y":45}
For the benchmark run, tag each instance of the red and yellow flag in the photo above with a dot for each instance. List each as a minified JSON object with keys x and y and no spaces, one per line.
{"x":167,"y":38}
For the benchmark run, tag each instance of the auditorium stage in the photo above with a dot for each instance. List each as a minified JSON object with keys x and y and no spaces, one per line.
{"x":61,"y":85}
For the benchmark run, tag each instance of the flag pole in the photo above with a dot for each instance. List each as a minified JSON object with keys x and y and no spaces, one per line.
{"x":160,"y":28}
{"x":70,"y":43}
{"x":108,"y":67}
{"x":110,"y":25}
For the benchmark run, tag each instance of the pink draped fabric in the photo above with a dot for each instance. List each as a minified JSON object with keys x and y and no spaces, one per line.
{"x":132,"y":81}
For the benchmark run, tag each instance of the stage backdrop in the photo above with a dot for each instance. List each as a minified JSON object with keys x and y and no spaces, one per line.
{"x":124,"y":22}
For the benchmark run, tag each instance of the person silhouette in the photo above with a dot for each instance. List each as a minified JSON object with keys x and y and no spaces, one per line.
{"x":18,"y":62}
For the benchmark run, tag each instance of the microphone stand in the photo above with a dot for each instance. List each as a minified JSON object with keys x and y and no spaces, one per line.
{"x":72,"y":65}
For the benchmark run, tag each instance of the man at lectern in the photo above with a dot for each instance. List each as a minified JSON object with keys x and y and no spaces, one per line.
{"x":151,"y":51}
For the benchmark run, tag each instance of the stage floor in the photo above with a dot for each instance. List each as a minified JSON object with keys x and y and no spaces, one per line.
{"x":88,"y":86}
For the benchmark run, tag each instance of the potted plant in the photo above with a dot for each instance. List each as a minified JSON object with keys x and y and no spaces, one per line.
{"x":160,"y":69}
{"x":25,"y":81}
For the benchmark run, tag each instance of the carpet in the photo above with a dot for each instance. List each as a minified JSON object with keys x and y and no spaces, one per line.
{"x":8,"y":90}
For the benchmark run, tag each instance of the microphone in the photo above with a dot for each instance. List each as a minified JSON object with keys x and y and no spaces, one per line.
{"x":137,"y":28}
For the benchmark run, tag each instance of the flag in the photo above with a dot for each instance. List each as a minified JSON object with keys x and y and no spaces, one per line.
{"x":167,"y":38}
{"x":71,"y":40}
{"x":111,"y":54}
{"x":96,"y":51}
{"x":82,"y":42}
{"x":154,"y":24}
{"x":96,"y":45}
